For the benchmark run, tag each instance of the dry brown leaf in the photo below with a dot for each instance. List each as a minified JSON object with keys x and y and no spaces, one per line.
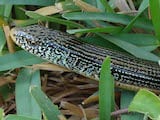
{"x":64,"y":93}
{"x":85,"y":6}
{"x":6,"y":80}
{"x":76,"y":110}
{"x":10,"y":43}
{"x":49,"y":10}
{"x":131,"y":4}
{"x":91,"y":99}
{"x":48,"y":67}
{"x":122,"y":5}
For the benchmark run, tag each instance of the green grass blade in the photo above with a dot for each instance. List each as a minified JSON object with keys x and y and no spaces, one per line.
{"x":52,"y":19}
{"x":134,"y":50}
{"x":91,"y":2}
{"x":109,"y":29}
{"x":154,"y":8}
{"x":1,"y":114}
{"x":146,"y":102}
{"x":107,"y":6}
{"x":143,"y":6}
{"x":99,"y":41}
{"x":106,"y":91}
{"x":100,"y":6}
{"x":146,"y":42}
{"x":50,"y":110}
{"x":69,"y":5}
{"x":126,"y":98}
{"x":110,"y":17}
{"x":18,"y":59}
{"x":25,"y":103}
{"x":130,"y":25}
{"x":2,"y":40}
{"x":18,"y":117}
{"x":139,"y":39}
{"x":7,"y":11}
{"x":26,"y":22}
{"x":19,"y":13}
{"x":28,"y":2}
{"x":1,"y":10}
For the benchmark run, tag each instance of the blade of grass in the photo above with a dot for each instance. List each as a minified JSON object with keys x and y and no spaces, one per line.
{"x":7,"y":11}
{"x":91,"y":98}
{"x":3,"y":16}
{"x":139,"y":39}
{"x":18,"y":59}
{"x":28,"y":2}
{"x":86,"y":6}
{"x":110,"y":17}
{"x":91,"y":2}
{"x":134,"y":50}
{"x":25,"y":103}
{"x":2,"y":40}
{"x":68,"y":5}
{"x":52,"y":19}
{"x":19,"y":13}
{"x":154,"y":8}
{"x":143,"y":6}
{"x":126,"y":98}
{"x":20,"y":23}
{"x":146,"y":42}
{"x":99,"y":41}
{"x":107,"y":6}
{"x":1,"y":10}
{"x":18,"y":117}
{"x":51,"y":111}
{"x":146,"y":102}
{"x":106,"y":91}
{"x":99,"y":23}
{"x":1,"y":114}
{"x":100,"y":5}
{"x":109,"y":29}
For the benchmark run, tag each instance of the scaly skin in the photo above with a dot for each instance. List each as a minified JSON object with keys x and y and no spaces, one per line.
{"x":65,"y":50}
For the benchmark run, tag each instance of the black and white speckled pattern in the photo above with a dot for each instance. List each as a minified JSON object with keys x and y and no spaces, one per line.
{"x":64,"y":50}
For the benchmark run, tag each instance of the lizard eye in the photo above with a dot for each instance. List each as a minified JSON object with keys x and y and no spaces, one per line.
{"x":29,"y":41}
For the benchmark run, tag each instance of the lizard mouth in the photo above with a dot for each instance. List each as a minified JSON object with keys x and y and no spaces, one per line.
{"x":13,"y":35}
{"x":21,"y":38}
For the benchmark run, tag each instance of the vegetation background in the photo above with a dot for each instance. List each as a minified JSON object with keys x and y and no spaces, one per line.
{"x":130,"y":26}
